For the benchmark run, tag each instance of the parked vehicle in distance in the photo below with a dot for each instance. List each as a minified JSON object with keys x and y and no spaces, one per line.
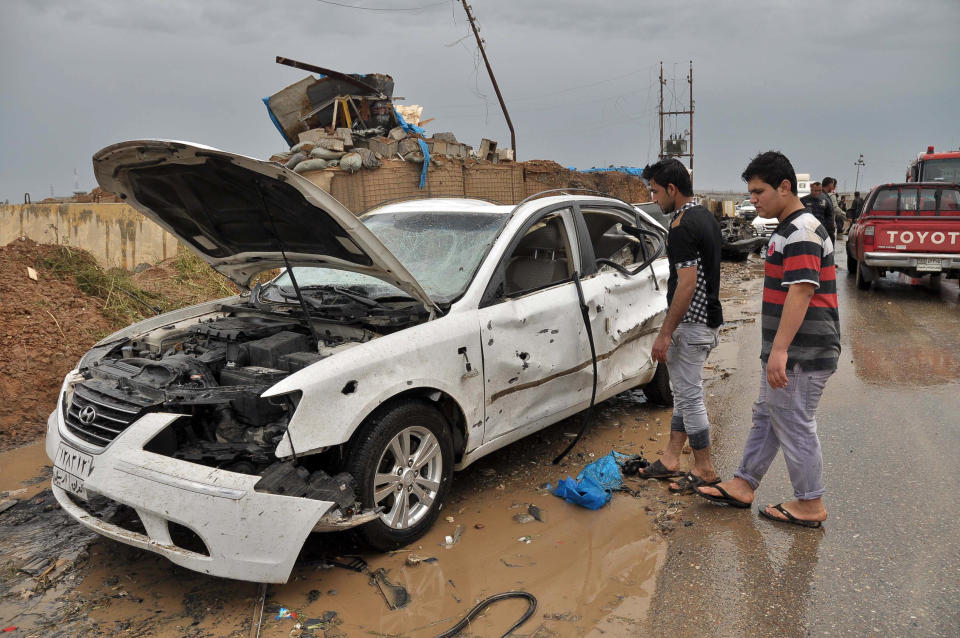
{"x":391,"y":350}
{"x":746,"y":210}
{"x":912,"y":228}
{"x":935,"y":167}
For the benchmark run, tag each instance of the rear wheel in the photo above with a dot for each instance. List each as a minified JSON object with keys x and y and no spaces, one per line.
{"x":851,"y":265}
{"x":403,"y":462}
{"x":862,"y":282}
{"x":658,"y":390}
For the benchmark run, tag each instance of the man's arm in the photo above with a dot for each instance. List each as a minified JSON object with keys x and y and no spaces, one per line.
{"x":794,"y":311}
{"x":686,"y":285}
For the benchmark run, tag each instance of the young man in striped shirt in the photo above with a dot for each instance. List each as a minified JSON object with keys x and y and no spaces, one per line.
{"x":801,"y":346}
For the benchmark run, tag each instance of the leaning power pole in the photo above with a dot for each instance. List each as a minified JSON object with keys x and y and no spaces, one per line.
{"x":493,"y":80}
{"x":677,"y":144}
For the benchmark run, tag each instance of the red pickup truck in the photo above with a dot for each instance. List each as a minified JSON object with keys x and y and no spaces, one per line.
{"x":911,"y":227}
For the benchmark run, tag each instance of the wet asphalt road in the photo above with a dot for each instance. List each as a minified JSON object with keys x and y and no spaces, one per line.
{"x":888,"y":561}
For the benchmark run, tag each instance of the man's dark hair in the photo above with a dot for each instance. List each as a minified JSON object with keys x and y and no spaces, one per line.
{"x":828,"y":182}
{"x":856,"y":193}
{"x":670,"y":171}
{"x":772,"y":167}
{"x":812,"y":184}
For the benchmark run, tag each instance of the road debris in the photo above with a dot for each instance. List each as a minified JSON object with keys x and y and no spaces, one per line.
{"x":396,"y":596}
{"x":450,"y":541}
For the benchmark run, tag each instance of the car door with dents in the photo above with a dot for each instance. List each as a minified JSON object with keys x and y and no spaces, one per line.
{"x":536,"y":357}
{"x":627,"y":310}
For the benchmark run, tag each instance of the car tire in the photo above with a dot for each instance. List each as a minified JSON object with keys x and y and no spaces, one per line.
{"x":378,"y":451}
{"x":658,"y":390}
{"x":851,"y":265}
{"x":862,"y":283}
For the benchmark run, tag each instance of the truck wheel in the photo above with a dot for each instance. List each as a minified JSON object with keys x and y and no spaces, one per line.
{"x":862,"y":283}
{"x":851,"y":266}
{"x":658,"y":390}
{"x":403,"y":462}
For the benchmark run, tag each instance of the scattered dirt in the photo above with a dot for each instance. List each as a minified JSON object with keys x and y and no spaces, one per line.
{"x":45,"y":327}
{"x":48,"y":324}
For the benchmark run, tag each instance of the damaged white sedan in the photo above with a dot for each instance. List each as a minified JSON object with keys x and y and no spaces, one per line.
{"x":393,"y":349}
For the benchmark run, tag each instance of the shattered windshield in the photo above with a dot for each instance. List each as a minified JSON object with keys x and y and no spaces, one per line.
{"x":441,"y":250}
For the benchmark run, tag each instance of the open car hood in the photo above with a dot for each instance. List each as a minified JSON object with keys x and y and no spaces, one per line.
{"x":237,"y":212}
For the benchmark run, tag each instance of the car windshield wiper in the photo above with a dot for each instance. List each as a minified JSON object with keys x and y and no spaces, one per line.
{"x":366,"y":301}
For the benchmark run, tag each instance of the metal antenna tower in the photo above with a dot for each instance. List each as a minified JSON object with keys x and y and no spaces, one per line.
{"x":677,"y":145}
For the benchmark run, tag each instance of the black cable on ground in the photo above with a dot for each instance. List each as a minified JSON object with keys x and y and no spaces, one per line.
{"x":486,"y":602}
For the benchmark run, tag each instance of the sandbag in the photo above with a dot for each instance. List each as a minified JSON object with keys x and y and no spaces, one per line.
{"x":310,"y":165}
{"x":325,"y":153}
{"x":351,"y":162}
{"x":296,"y":159}
{"x":370,"y":159}
{"x":303,"y":147}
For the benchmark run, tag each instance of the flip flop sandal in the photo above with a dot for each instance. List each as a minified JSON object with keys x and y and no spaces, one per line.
{"x":726,"y":499}
{"x":657,"y":470}
{"x":791,"y":519}
{"x":689,"y":484}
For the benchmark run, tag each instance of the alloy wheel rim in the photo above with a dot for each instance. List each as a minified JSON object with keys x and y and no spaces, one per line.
{"x":407,"y":477}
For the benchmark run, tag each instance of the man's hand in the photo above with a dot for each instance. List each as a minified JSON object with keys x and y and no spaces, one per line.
{"x":660,"y":345}
{"x":777,"y":369}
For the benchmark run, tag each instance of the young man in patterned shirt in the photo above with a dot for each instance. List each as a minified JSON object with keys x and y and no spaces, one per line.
{"x":801,"y":345}
{"x":694,"y":316}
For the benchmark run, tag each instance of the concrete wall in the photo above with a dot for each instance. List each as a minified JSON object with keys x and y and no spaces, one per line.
{"x":116,"y":234}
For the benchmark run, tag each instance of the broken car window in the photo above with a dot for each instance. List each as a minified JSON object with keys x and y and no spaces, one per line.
{"x":610,"y":241}
{"x":441,"y":250}
{"x":541,"y":258}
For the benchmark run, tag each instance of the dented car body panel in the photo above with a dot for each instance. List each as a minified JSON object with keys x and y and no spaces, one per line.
{"x":209,"y":424}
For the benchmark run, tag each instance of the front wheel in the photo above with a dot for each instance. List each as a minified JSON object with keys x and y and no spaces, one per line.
{"x":658,"y":390}
{"x":403,"y":462}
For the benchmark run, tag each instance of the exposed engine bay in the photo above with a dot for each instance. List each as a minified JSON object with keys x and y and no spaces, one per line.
{"x":213,"y":370}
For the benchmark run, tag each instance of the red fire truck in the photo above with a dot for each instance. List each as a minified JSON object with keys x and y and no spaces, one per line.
{"x":935,"y":167}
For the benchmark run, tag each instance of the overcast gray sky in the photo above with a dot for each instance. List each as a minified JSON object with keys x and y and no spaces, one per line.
{"x":821,"y":81}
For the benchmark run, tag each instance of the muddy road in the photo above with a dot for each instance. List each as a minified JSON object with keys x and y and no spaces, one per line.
{"x":888,"y":561}
{"x":886,"y":564}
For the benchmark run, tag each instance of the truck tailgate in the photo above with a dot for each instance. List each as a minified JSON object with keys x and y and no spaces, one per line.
{"x":919,"y":235}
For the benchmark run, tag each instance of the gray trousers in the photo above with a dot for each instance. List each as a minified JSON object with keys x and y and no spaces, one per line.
{"x":690,"y":345}
{"x":785,"y":418}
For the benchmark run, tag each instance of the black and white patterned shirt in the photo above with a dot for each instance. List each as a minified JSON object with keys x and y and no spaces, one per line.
{"x":694,"y":241}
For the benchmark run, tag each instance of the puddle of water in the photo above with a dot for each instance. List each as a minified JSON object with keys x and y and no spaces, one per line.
{"x":25,"y":468}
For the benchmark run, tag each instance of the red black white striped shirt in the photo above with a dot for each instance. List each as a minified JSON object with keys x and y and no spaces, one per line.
{"x":800,"y":251}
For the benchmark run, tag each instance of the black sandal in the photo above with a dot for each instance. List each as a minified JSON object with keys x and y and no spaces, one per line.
{"x":791,"y":519}
{"x":726,"y":499}
{"x":690,"y":482}
{"x":657,"y":470}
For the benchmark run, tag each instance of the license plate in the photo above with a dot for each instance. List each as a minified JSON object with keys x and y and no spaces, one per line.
{"x":929,"y":265}
{"x":70,"y":469}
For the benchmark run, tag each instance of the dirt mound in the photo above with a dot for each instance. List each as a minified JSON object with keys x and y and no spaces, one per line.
{"x":45,"y":327}
{"x":48,"y":324}
{"x":627,"y":187}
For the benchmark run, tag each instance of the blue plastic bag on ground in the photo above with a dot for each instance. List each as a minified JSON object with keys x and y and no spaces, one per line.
{"x":595,"y":483}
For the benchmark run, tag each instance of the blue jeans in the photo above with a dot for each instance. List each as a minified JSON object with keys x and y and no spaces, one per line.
{"x":786,"y":418}
{"x":690,"y":346}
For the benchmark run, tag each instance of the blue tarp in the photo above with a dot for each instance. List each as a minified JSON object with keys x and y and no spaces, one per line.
{"x":629,"y":170}
{"x":273,"y":118}
{"x":412,"y":128}
{"x":595,"y":483}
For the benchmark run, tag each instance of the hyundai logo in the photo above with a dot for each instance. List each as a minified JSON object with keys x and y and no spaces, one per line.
{"x":88,"y":415}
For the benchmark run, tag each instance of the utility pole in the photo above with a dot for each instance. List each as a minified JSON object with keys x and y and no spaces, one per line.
{"x":858,"y":164}
{"x":493,"y":80}
{"x":677,"y":145}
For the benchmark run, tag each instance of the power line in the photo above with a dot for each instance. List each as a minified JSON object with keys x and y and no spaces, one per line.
{"x":353,"y":6}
